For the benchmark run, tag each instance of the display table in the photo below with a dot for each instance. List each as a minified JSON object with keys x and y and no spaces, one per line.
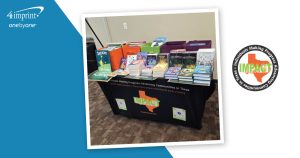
{"x":158,"y":100}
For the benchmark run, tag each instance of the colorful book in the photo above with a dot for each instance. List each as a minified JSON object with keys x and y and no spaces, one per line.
{"x":135,"y":67}
{"x":99,"y":76}
{"x":205,"y":56}
{"x":142,"y":56}
{"x":189,"y":60}
{"x":173,"y":72}
{"x":130,"y":58}
{"x":104,"y":66}
{"x":186,"y":73}
{"x":163,"y":58}
{"x":151,"y":60}
{"x":102,"y":57}
{"x":203,"y":69}
{"x":123,"y":63}
{"x":176,"y":60}
{"x":160,"y":69}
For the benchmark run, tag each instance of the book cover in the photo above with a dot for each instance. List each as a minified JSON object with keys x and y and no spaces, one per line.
{"x":176,"y":60}
{"x":173,"y":71}
{"x":130,"y":58}
{"x":151,"y":60}
{"x":189,"y":60}
{"x":142,"y":56}
{"x":102,"y":57}
{"x":186,"y":73}
{"x":123,"y":63}
{"x":99,"y":76}
{"x":205,"y":56}
{"x":203,"y":69}
{"x":163,"y":58}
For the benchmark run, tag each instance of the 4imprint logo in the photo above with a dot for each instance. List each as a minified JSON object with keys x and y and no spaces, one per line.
{"x":24,"y":15}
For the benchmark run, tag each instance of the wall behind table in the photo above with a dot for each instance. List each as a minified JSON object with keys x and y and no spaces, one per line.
{"x":190,"y":26}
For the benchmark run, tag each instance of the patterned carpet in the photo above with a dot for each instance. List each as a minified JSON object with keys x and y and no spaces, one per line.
{"x":107,"y":128}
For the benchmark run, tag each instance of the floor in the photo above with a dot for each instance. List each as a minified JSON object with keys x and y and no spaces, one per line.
{"x":107,"y":128}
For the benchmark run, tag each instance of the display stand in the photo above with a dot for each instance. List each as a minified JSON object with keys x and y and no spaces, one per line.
{"x":158,"y":100}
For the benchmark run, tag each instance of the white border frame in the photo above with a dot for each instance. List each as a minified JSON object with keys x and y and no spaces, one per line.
{"x":216,"y":11}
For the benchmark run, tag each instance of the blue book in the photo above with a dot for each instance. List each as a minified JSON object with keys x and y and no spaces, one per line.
{"x":142,"y":56}
{"x":202,"y":69}
{"x":151,"y":60}
{"x":102,"y":57}
{"x":173,"y":72}
{"x":104,"y":67}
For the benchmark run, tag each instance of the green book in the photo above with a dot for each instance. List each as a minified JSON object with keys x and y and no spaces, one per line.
{"x":99,"y":76}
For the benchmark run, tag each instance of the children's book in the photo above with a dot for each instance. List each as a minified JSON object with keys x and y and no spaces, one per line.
{"x":130,"y":59}
{"x":163,"y":58}
{"x":203,"y":69}
{"x":173,"y":71}
{"x":142,"y":56}
{"x":189,"y":60}
{"x":123,"y":63}
{"x":186,"y":73}
{"x":176,"y":60}
{"x":205,"y":56}
{"x":151,"y":60}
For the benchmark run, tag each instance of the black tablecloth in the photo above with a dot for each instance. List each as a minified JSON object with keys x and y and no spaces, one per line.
{"x":158,"y":100}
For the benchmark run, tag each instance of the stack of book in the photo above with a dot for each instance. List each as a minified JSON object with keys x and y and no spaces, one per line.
{"x":176,"y":58}
{"x":172,"y":73}
{"x":150,"y":63}
{"x":204,"y":69}
{"x":104,"y":66}
{"x":142,"y":56}
{"x":186,"y":75}
{"x":162,"y":65}
{"x":130,"y":59}
{"x":122,"y":71}
{"x":135,"y":67}
{"x":147,"y":71}
{"x":189,"y":62}
{"x":159,"y":70}
{"x":202,"y":74}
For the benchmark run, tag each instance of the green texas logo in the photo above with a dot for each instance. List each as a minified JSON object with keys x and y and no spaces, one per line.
{"x":150,"y":102}
{"x":255,"y":67}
